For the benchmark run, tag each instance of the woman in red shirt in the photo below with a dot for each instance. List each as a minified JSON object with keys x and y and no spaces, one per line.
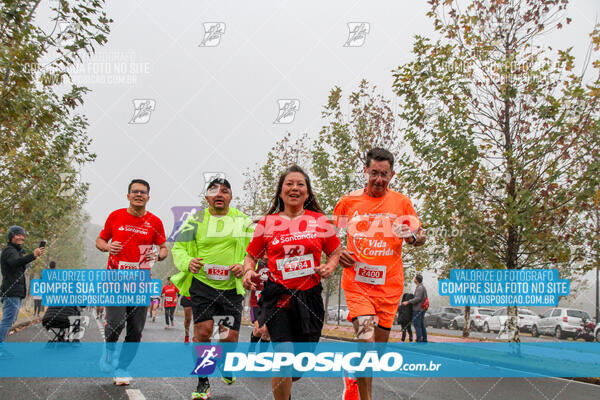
{"x":292,"y":235}
{"x":170,"y":293}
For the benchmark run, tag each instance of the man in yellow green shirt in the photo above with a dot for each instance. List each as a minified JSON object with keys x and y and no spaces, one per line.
{"x":209,"y":252}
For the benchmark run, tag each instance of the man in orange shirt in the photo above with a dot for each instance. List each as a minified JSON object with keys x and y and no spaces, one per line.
{"x":377,"y":220}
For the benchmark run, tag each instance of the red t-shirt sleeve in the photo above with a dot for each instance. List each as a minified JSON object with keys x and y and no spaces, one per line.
{"x":106,"y":233}
{"x":163,"y":290}
{"x":258,"y":244}
{"x":330,"y":241}
{"x":159,"y":231}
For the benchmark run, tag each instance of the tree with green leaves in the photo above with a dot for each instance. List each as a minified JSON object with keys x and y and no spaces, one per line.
{"x":43,"y":139}
{"x":500,"y":127}
{"x":261,"y":181}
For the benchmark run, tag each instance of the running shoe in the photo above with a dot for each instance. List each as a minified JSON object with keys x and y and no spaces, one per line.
{"x":351,"y":389}
{"x":121,"y":378}
{"x":202,"y":390}
{"x":228,"y":380}
{"x":186,"y":339}
{"x":167,"y":327}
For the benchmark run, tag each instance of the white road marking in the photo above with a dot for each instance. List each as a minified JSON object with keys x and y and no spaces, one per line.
{"x":135,"y":394}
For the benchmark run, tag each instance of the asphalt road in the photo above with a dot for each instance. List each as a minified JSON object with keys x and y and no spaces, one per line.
{"x":259,"y":389}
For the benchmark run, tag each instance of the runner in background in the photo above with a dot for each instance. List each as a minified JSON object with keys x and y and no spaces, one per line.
{"x":99,"y":312}
{"x":186,"y":303}
{"x":132,"y":233}
{"x":259,"y":332}
{"x":292,"y":235}
{"x":377,"y":221}
{"x":154,"y":304}
{"x":209,"y":252}
{"x":169,"y":294}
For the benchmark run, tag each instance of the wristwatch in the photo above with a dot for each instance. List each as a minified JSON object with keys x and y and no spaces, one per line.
{"x":414,"y":238}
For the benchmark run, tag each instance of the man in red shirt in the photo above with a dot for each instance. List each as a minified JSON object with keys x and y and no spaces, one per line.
{"x":132,"y":233}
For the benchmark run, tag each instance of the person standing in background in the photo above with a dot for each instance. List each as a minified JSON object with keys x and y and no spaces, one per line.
{"x":405,"y":316}
{"x":418,"y":308}
{"x":13,"y":263}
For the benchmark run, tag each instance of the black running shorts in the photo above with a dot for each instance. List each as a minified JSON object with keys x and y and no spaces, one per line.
{"x":185,"y":302}
{"x":208,"y":302}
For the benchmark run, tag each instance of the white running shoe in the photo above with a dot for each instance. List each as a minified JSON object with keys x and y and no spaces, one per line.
{"x":121,"y":378}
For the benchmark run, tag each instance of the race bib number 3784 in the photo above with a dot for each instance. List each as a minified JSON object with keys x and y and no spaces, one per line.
{"x":295,"y":267}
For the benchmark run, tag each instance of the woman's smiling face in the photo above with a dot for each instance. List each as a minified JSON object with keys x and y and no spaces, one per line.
{"x":294,"y":191}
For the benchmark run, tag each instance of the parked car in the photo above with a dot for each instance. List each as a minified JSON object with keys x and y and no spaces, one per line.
{"x":439,"y":317}
{"x":476,"y":319}
{"x":497,"y":321}
{"x":526,"y":319}
{"x":597,"y":332}
{"x":332,"y":313}
{"x":560,"y":322}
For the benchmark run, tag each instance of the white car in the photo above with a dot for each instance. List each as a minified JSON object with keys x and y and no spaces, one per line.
{"x":497,"y":321}
{"x":477,"y":316}
{"x":560,"y":322}
{"x":526,"y":319}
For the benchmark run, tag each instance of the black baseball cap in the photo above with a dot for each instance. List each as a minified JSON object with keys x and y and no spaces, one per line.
{"x":219,"y":181}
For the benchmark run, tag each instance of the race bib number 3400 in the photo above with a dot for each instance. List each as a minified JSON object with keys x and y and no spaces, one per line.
{"x":372,"y":274}
{"x":295,"y":267}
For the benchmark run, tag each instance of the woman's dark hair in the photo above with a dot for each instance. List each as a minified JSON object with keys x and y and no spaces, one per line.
{"x":310,"y":203}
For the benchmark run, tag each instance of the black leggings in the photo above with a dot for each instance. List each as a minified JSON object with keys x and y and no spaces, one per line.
{"x":169,"y":314}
